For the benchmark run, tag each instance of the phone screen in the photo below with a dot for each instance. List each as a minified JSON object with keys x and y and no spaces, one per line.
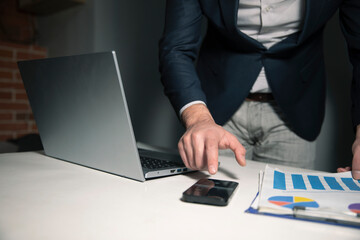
{"x":210,"y":191}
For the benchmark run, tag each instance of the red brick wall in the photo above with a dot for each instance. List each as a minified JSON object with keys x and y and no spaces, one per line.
{"x":16,"y":26}
{"x":16,"y":118}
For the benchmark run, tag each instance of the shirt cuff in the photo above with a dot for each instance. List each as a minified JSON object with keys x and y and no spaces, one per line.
{"x":190,"y":104}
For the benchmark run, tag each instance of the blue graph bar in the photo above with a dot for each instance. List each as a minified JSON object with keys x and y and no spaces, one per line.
{"x":279,"y":180}
{"x":333,"y":184}
{"x":298,"y":181}
{"x":315,"y":182}
{"x":349,"y":182}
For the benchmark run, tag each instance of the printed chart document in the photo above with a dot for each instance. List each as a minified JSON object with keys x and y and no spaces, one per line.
{"x":317,"y":196}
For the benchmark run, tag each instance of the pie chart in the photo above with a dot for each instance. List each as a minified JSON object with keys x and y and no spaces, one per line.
{"x":292,"y":201}
{"x":355,"y":207}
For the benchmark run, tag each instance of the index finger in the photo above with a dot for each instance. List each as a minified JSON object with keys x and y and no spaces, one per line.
{"x":211,"y":153}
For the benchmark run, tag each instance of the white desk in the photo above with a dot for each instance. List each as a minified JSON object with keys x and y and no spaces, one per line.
{"x":44,"y":198}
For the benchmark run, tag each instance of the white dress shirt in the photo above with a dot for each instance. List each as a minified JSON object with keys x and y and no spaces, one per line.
{"x":268,"y":22}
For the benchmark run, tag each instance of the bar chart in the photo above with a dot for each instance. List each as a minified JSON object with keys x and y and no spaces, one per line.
{"x":327,"y":197}
{"x":309,"y":182}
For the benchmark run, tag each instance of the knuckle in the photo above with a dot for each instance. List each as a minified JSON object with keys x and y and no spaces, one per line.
{"x":180,"y":144}
{"x":196,"y":137}
{"x":186,"y":138}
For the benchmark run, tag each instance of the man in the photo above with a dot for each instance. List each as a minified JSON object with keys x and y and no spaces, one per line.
{"x":259,"y":77}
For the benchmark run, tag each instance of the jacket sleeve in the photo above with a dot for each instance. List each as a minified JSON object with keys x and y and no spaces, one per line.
{"x":350,"y":26}
{"x":179,"y":46}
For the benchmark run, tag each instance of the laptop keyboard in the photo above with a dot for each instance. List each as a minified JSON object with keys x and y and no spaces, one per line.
{"x":152,"y":163}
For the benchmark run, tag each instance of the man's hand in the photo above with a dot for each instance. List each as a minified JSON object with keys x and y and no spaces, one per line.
{"x":355,"y":169}
{"x":203,"y":138}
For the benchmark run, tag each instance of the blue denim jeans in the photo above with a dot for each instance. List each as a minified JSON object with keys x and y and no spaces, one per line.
{"x":263,"y":130}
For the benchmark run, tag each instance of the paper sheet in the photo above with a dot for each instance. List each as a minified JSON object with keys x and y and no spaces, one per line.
{"x":281,"y":191}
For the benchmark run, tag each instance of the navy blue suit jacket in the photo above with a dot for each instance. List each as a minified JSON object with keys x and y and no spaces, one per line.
{"x":228,"y":61}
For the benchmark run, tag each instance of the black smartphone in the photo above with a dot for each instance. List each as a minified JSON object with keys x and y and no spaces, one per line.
{"x":210,"y":191}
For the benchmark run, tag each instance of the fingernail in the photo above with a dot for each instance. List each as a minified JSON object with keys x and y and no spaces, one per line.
{"x":212,"y":169}
{"x":356,"y":174}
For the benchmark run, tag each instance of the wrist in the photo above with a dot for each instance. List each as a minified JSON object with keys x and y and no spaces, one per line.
{"x":195,"y":114}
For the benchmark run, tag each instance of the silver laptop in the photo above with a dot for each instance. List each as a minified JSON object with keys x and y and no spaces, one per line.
{"x":80,"y":109}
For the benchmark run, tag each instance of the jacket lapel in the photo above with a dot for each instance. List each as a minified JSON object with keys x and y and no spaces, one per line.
{"x":229,"y":11}
{"x":312,"y":12}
